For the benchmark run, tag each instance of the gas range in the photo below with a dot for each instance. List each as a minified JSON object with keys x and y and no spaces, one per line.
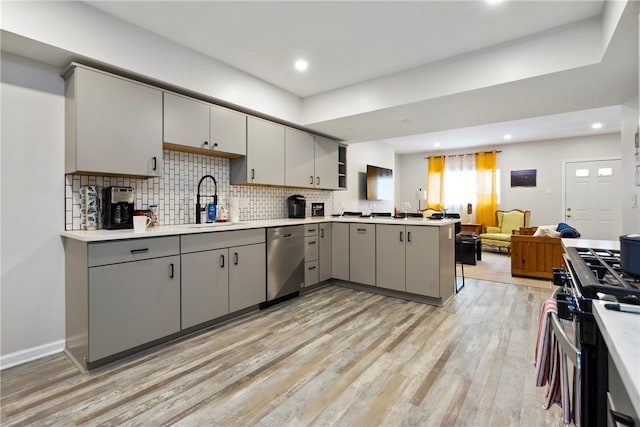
{"x":597,"y":274}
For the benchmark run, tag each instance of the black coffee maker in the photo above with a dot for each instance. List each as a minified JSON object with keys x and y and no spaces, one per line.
{"x":118,"y":207}
{"x":296,"y":205}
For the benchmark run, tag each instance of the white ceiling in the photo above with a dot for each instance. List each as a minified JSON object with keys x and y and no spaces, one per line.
{"x":349,"y":42}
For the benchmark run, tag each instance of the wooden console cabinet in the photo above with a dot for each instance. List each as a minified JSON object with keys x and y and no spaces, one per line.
{"x":535,"y":256}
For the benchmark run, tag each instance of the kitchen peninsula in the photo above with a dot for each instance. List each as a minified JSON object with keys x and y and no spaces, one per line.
{"x":126,"y":291}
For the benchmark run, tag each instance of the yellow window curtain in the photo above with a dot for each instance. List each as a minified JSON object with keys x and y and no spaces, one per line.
{"x":487,"y":202}
{"x":435,"y":183}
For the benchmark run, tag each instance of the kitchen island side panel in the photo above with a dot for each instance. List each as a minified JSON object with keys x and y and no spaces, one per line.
{"x":447,"y":262}
{"x":76,"y":301}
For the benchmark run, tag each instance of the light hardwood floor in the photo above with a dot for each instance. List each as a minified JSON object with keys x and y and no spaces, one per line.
{"x":331,"y":357}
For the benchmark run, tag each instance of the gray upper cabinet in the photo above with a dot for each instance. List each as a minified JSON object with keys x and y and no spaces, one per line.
{"x":186,"y":121}
{"x":264,"y":162}
{"x":113,"y":125}
{"x":299,"y":158}
{"x":310,"y":161}
{"x":228,"y":132}
{"x":195,"y":124}
{"x":326,"y":163}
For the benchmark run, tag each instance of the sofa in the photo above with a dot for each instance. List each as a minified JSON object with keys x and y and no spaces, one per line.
{"x":508,"y":222}
{"x":535,"y":255}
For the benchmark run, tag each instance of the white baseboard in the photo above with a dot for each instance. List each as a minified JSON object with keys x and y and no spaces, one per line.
{"x":24,"y":356}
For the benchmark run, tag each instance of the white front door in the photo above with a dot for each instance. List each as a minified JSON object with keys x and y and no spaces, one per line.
{"x":593,"y":203}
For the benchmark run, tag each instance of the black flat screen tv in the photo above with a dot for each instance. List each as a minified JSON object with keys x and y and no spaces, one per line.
{"x":379,"y":183}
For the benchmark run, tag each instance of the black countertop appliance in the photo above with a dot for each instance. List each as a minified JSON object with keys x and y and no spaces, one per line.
{"x":296,"y":205}
{"x":118,"y":207}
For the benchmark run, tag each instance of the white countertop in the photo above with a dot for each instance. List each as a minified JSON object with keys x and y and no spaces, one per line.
{"x":621,"y":333}
{"x":592,"y":244}
{"x":176,"y":230}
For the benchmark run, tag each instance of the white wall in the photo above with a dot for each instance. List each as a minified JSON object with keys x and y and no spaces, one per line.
{"x":412,"y":175}
{"x":545,"y":200}
{"x":376,"y":153}
{"x":32,"y":284}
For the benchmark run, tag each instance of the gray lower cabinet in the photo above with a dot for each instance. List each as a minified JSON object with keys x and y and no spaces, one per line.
{"x":362,"y":253}
{"x":120,"y":295}
{"x":325,"y":235}
{"x":430,"y":261}
{"x":340,"y":251}
{"x":311,"y":253}
{"x":223,"y":272}
{"x":132,"y":303}
{"x":247,"y":272}
{"x":205,"y":286}
{"x":113,"y":126}
{"x":390,"y":256}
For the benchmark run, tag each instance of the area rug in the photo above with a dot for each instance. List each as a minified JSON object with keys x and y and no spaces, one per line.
{"x":496,"y":267}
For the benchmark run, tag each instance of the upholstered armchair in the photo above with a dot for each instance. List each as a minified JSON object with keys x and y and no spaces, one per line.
{"x":508,"y":221}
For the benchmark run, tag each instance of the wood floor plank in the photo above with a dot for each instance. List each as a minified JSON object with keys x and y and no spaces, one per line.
{"x":334,"y":356}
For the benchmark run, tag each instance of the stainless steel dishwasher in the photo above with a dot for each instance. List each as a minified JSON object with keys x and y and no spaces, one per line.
{"x":285,"y":261}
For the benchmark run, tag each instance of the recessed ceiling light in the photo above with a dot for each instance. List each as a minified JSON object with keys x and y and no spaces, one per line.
{"x":493,"y":1}
{"x":301,"y":65}
{"x":436,"y":144}
{"x":596,"y":126}
{"x":507,"y":136}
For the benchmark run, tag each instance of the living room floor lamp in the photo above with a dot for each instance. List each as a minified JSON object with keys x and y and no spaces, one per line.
{"x":421,"y":195}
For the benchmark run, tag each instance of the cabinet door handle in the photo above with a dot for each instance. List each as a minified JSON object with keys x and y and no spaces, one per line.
{"x":139,"y":251}
{"x":621,"y":418}
{"x":206,"y":143}
{"x":253,"y":174}
{"x":235,"y":258}
{"x":401,"y":238}
{"x":322,"y":233}
{"x":408,"y":236}
{"x":155,"y":163}
{"x":311,"y":179}
{"x":171,"y":271}
{"x":286,"y":236}
{"x":313,"y":267}
{"x":362,"y":230}
{"x":313,"y":242}
{"x":215,"y":145}
{"x":317,"y":180}
{"x":221,"y":261}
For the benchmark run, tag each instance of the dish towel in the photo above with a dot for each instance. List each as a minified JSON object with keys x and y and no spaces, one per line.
{"x":551,"y":363}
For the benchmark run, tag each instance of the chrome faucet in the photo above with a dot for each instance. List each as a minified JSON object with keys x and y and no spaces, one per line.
{"x":215,"y":197}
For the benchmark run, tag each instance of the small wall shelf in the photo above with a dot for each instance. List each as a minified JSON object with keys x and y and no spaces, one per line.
{"x":342,"y":166}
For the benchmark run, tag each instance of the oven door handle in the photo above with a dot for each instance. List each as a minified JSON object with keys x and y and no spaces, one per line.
{"x":567,"y":345}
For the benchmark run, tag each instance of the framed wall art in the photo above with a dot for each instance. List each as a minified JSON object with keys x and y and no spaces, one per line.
{"x":523,"y":178}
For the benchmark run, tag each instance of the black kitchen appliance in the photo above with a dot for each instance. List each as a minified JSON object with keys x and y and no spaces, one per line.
{"x":296,"y":205}
{"x":118,"y":207}
{"x":592,"y":274}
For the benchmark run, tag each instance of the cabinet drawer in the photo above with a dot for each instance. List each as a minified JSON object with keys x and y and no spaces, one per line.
{"x":310,"y":273}
{"x":311,"y":230}
{"x":221,"y":239}
{"x":132,"y":250}
{"x":311,"y":248}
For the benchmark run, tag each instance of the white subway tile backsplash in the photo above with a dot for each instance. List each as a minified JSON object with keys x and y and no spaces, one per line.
{"x":175,"y":191}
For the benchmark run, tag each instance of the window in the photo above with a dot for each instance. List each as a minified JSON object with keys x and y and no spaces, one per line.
{"x":582,"y":173}
{"x":605,"y":171}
